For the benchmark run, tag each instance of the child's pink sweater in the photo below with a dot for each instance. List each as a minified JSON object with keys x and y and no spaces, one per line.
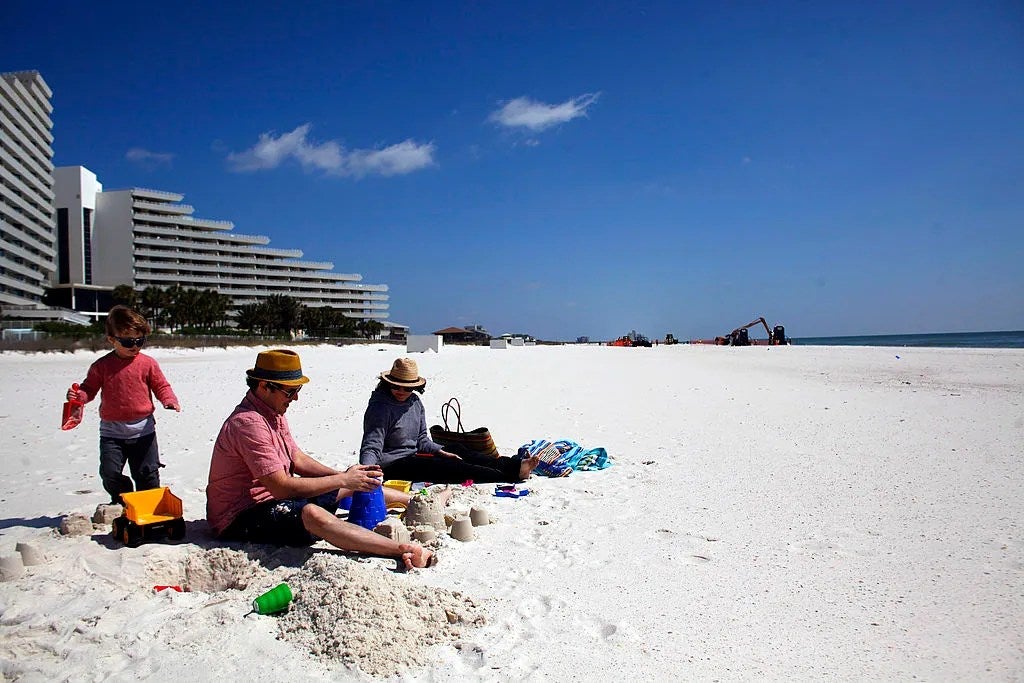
{"x":126,"y":385}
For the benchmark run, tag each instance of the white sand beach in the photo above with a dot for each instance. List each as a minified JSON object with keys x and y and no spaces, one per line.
{"x":808,"y":513}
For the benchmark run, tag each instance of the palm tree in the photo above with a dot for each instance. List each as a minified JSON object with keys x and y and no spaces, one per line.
{"x":153,"y":302}
{"x":125,"y":295}
{"x":314,"y":320}
{"x":211,"y":307}
{"x":344,"y":326}
{"x":173,"y":295}
{"x":221,"y":306}
{"x":252,"y":317}
{"x":370,"y":328}
{"x":284,"y":313}
{"x":185,"y":307}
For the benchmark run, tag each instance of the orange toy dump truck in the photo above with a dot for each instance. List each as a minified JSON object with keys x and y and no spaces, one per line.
{"x":150,"y":515}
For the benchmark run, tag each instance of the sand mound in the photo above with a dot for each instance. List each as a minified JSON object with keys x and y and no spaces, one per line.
{"x":220,"y":569}
{"x":377,"y":621}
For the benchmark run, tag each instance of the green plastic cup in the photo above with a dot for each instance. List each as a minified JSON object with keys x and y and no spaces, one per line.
{"x":274,"y":600}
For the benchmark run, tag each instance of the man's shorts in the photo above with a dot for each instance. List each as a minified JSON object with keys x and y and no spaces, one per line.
{"x":278,"y":522}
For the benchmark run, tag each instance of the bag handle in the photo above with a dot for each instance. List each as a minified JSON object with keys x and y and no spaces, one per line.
{"x":457,"y":409}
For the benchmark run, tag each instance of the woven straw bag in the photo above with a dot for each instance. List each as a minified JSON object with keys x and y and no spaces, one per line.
{"x":477,"y":440}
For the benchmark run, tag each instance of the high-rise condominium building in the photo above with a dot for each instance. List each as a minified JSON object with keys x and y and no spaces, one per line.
{"x":27,"y":249}
{"x":148,"y":238}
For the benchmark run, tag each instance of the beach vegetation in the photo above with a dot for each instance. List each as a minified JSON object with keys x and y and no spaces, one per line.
{"x":194,"y":318}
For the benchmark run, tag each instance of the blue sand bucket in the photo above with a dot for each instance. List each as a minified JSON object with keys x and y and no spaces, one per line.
{"x":345,"y":503}
{"x":368,"y":508}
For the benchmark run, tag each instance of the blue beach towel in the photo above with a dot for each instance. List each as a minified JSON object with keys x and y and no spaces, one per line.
{"x":560,"y":458}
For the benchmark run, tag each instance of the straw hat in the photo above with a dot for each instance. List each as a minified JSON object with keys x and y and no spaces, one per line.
{"x":404,"y":373}
{"x":280,"y":367}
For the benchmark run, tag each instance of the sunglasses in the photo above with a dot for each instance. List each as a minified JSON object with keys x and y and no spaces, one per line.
{"x":398,"y":388}
{"x":129,"y":342}
{"x":289,"y":393}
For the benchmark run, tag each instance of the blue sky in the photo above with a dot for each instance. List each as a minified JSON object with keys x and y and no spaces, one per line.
{"x":571,"y":168}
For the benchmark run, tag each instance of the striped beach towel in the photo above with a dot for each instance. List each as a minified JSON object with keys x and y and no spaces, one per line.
{"x":560,"y":458}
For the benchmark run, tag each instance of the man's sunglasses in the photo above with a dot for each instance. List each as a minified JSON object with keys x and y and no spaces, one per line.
{"x":290,"y":393}
{"x":129,"y":342}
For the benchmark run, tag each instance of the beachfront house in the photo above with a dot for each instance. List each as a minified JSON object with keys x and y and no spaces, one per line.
{"x":470,"y":334}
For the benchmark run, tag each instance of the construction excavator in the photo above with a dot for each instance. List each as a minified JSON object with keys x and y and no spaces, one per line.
{"x":741,"y":337}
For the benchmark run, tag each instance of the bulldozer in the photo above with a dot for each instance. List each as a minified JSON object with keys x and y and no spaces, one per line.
{"x":741,"y":336}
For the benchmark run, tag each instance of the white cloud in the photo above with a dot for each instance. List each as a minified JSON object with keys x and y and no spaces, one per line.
{"x":331,"y":157}
{"x":523,"y":112}
{"x":144,"y":157}
{"x":405,"y":157}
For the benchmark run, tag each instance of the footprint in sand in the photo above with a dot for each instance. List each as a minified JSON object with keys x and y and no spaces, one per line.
{"x":1007,"y":552}
{"x":533,"y":614}
{"x":693,"y":546}
{"x":818,"y":547}
{"x":843,"y":543}
{"x":612,"y":633}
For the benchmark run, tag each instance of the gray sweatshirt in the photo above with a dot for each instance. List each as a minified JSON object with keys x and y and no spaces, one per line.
{"x":393,"y":429}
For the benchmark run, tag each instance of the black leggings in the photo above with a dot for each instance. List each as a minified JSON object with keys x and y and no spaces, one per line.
{"x":437,"y":469}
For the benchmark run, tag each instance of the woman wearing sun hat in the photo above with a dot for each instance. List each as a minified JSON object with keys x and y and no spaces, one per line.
{"x":395,"y":437}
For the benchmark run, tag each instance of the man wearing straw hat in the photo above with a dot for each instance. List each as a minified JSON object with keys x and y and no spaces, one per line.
{"x":264,"y":489}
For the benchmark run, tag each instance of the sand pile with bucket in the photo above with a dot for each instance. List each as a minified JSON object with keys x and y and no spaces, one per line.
{"x":350,"y":613}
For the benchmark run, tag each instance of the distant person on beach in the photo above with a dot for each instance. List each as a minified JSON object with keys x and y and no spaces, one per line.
{"x":127,"y":379}
{"x":263,"y":488}
{"x":395,"y":438}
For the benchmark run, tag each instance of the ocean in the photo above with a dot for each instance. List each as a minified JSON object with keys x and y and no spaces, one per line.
{"x":970,"y":340}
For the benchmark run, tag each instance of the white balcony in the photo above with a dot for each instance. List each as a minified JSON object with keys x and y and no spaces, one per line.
{"x":196,"y":253}
{"x":282,"y":253}
{"x":156,"y":194}
{"x":209,"y":223}
{"x":38,"y":236}
{"x":38,"y":137}
{"x":31,"y":163}
{"x":162,"y":207}
{"x":31,"y":211}
{"x":203,"y":251}
{"x":31,"y":288}
{"x":187,"y":233}
{"x":38,"y":102}
{"x":308,"y":265}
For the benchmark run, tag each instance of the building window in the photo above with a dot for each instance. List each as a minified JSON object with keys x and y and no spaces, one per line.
{"x":63,"y":249}
{"x":87,"y":243}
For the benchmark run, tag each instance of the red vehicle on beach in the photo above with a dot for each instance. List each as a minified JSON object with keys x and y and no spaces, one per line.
{"x":632,"y":339}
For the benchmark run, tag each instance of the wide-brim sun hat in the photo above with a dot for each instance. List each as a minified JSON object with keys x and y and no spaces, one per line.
{"x":279,"y":366}
{"x":404,"y":373}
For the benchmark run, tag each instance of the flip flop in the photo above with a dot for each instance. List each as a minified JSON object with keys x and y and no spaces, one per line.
{"x":510,"y":492}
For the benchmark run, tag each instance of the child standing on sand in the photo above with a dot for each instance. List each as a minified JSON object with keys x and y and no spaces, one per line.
{"x":127,"y":426}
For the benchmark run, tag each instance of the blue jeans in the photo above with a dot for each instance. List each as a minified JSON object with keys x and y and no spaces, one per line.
{"x":143,"y":458}
{"x":278,"y":522}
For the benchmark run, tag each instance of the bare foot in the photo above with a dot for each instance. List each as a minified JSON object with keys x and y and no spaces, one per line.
{"x":527,"y":467}
{"x":416,"y":556}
